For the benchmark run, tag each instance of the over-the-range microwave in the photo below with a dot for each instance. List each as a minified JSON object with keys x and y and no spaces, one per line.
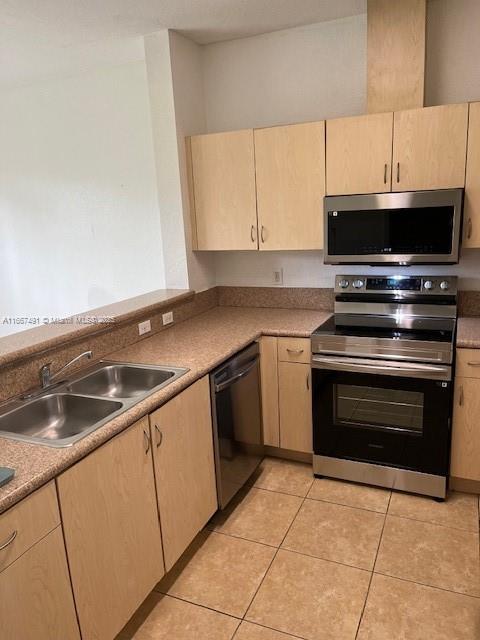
{"x":415,"y":227}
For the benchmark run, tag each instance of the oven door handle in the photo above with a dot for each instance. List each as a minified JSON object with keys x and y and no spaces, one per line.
{"x":426,"y":371}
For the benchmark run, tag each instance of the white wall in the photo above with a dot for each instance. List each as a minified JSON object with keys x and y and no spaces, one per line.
{"x":307,"y":73}
{"x":318,"y":72}
{"x":79,"y":216}
{"x":453,"y":51}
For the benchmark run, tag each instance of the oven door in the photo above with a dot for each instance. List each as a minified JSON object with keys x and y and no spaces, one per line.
{"x":394,"y":414}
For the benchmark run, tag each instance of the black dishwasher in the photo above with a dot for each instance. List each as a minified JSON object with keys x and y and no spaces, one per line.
{"x":237,"y":421}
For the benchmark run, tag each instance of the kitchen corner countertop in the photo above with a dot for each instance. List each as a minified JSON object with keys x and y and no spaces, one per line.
{"x":199,"y":344}
{"x":468,"y":333}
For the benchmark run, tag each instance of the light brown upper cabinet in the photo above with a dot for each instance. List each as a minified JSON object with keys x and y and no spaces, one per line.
{"x":184,"y":467}
{"x":223,"y":175}
{"x":471,"y":223}
{"x":290,"y":171}
{"x":112,"y":532}
{"x":359,"y":154}
{"x":429,"y":148}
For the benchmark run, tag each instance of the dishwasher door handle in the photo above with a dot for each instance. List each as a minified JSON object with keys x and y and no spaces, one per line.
{"x":237,"y":376}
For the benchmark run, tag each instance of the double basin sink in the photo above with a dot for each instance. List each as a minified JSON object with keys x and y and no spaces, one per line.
{"x":79,"y":406}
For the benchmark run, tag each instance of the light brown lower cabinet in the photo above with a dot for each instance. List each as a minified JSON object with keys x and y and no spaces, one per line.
{"x":465,"y":458}
{"x":295,"y":406}
{"x":184,"y":467}
{"x":36,"y":600}
{"x":112,"y":532}
{"x":269,"y":384}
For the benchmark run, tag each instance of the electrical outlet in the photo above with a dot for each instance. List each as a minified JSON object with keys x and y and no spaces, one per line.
{"x":167,"y":318}
{"x":144,"y":327}
{"x":278,"y":276}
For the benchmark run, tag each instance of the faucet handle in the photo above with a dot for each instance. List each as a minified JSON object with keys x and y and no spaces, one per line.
{"x":45,"y":374}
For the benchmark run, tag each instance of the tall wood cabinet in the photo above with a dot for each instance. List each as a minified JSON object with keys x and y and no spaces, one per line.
{"x":36,"y":601}
{"x":112,"y":532}
{"x":181,"y":432}
{"x":429,"y":148}
{"x":471,"y":220}
{"x":223,"y":175}
{"x":290,"y":174}
{"x":359,"y":154}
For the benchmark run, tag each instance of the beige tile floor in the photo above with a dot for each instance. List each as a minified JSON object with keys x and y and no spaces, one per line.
{"x":294,"y":557}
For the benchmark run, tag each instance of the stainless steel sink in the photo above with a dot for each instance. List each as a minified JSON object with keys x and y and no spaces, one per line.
{"x":57,"y":419}
{"x":113,"y":380}
{"x":69,"y":411}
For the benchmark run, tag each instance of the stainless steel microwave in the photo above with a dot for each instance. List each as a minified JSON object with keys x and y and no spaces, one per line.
{"x":415,"y":227}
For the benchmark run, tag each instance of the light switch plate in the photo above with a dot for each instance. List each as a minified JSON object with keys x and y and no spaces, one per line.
{"x":167,"y":318}
{"x":144,"y":327}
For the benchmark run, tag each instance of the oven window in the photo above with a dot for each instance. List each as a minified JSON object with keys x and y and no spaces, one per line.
{"x":379,"y":408}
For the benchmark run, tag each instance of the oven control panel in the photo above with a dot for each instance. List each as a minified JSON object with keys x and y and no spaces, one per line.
{"x":402,"y":284}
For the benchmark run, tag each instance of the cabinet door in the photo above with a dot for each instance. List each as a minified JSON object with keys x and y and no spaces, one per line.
{"x":184,"y":467}
{"x":223,"y":171}
{"x":269,"y":384}
{"x":429,"y":148}
{"x":290,"y":170}
{"x":295,"y":401}
{"x":36,"y":601}
{"x":471,"y":225}
{"x":465,"y":459}
{"x":112,"y":533}
{"x":359,"y":154}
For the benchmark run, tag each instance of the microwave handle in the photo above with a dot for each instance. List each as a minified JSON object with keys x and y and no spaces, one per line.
{"x":405,"y":370}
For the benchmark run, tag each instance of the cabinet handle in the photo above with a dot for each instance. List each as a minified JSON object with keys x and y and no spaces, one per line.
{"x":474,"y":363}
{"x":147,"y":441}
{"x":308,"y":382}
{"x":252,"y":233}
{"x":469,"y":228}
{"x":159,"y":435}
{"x":398,"y":171}
{"x":296,"y":351}
{"x":385,"y":173}
{"x":9,"y":541}
{"x":460,"y":399}
{"x":262,"y":234}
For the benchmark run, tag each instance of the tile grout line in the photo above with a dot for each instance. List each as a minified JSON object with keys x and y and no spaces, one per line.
{"x":429,"y":586}
{"x":276,"y":552}
{"x":373,"y":569}
{"x":436,"y":524}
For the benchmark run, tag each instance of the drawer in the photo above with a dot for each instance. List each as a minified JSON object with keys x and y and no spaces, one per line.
{"x":468,"y":363}
{"x":27,"y":522}
{"x":294,"y":350}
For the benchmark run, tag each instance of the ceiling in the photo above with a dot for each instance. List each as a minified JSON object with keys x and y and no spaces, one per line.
{"x":33,"y":31}
{"x":68,"y":22}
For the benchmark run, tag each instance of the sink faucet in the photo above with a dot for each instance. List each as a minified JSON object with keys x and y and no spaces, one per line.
{"x":46,"y":376}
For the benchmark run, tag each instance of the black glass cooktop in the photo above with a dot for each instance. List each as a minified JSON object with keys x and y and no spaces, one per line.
{"x":422,"y":330}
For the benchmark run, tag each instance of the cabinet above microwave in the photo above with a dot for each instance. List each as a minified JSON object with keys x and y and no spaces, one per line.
{"x":417,"y":227}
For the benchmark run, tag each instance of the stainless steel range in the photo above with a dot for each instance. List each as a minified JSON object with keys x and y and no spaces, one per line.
{"x":382,"y":382}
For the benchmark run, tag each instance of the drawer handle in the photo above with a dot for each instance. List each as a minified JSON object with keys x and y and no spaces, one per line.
{"x":460,"y":399}
{"x":398,"y":171}
{"x":9,"y":541}
{"x":159,"y":435}
{"x":308,"y":382}
{"x":385,"y":173}
{"x":295,"y":351}
{"x":252,"y":233}
{"x":262,"y":234}
{"x":474,"y":363}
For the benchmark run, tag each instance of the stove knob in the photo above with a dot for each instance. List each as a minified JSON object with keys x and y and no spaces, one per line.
{"x":357,"y":284}
{"x":343,"y":284}
{"x":444,"y":285}
{"x":428,"y":284}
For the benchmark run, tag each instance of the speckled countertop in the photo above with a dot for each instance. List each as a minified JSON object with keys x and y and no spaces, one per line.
{"x":468,"y":333}
{"x":199,"y":344}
